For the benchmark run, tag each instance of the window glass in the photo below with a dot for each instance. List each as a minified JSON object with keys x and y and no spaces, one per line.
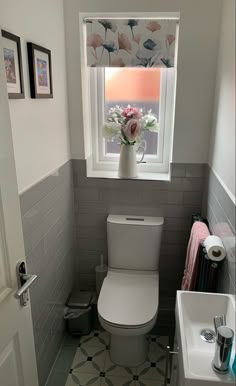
{"x":139,"y":87}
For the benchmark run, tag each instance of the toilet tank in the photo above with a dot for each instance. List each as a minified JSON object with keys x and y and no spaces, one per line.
{"x":134,"y":242}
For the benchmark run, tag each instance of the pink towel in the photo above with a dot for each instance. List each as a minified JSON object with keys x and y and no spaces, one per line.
{"x":199,"y":233}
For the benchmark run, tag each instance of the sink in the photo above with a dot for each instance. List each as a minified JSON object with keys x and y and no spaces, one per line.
{"x":194,"y":312}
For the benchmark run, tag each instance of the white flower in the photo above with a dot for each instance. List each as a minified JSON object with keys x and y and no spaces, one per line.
{"x":150,"y":122}
{"x":128,"y":123}
{"x":111,"y":129}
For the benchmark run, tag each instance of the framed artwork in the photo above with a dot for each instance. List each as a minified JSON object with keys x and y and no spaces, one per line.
{"x":13,"y":65}
{"x":40,"y":71}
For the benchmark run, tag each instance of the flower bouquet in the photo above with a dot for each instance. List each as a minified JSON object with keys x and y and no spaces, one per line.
{"x":127,"y":124}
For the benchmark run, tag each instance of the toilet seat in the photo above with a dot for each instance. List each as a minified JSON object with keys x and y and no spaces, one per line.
{"x":129,"y":300}
{"x":115,"y":329}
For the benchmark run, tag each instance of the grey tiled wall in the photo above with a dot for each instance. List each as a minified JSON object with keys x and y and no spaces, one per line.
{"x":175,"y":200}
{"x":220,"y":211}
{"x":48,"y":225}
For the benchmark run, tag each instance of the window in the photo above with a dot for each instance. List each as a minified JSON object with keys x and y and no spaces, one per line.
{"x":136,"y":87}
{"x":144,"y":48}
{"x":146,"y":88}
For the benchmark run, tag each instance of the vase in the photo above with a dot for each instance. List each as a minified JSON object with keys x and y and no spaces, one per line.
{"x":128,"y":161}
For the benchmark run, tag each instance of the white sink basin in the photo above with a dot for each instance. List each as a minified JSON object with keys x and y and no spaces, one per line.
{"x":194,"y":312}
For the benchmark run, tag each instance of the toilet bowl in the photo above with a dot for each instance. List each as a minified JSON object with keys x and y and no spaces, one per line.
{"x":127,"y":309}
{"x":129,"y":297}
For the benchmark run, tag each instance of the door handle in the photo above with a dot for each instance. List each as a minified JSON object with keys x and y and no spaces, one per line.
{"x":29,"y":279}
{"x":24,"y":282}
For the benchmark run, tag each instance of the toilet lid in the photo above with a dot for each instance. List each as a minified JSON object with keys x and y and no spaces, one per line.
{"x":129,"y":299}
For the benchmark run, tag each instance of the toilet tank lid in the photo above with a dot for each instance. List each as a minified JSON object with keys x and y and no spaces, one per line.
{"x":134,"y":220}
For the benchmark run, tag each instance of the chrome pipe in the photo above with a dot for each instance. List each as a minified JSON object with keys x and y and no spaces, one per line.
{"x":168,"y":355}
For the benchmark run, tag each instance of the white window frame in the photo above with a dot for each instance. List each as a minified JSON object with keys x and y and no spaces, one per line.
{"x":92,"y":112}
{"x":153,"y":163}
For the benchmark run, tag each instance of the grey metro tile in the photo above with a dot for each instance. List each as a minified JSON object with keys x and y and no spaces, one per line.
{"x":177,"y":170}
{"x":195,"y":170}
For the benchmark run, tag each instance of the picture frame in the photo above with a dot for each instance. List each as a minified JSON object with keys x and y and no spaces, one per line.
{"x":40,"y":71}
{"x":13,"y":65}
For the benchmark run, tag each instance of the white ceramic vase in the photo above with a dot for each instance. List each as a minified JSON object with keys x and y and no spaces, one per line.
{"x":128,"y":161}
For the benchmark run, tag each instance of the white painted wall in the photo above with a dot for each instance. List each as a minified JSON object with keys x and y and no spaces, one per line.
{"x":39,"y":127}
{"x":222,"y":149}
{"x":198,"y":43}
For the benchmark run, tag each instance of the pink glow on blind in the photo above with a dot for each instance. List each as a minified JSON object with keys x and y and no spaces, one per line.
{"x":132,"y":84}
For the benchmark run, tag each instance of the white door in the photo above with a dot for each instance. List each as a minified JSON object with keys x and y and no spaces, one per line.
{"x":17,"y":355}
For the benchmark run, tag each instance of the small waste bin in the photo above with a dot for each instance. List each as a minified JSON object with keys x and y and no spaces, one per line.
{"x":78,"y":313}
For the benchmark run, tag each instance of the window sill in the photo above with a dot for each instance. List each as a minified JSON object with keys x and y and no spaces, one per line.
{"x":141,"y":175}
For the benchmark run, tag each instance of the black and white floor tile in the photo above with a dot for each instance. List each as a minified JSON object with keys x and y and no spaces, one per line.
{"x":92,"y":364}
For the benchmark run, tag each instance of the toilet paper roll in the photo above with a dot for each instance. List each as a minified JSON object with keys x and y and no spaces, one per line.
{"x":214,"y":248}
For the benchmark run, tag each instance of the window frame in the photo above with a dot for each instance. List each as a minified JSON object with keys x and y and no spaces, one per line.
{"x":100,"y":169}
{"x":153,"y":163}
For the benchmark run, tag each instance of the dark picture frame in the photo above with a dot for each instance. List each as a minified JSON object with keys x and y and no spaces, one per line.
{"x":13,"y":66}
{"x":40,"y":71}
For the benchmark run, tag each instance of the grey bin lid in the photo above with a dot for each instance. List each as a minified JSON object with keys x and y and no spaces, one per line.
{"x":80,"y":299}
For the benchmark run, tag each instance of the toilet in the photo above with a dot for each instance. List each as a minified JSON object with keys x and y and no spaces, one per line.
{"x":129,"y":297}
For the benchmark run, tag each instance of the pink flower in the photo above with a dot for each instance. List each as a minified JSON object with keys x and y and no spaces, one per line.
{"x":124,"y":43}
{"x":153,"y":26}
{"x":137,"y":38}
{"x":170,"y":39}
{"x":117,"y":62}
{"x":131,"y":112}
{"x":94,"y":40}
{"x":131,"y":129}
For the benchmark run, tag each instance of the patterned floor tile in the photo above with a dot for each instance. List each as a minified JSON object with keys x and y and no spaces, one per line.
{"x":162,"y":341}
{"x":89,"y":360}
{"x":92,"y":364}
{"x":96,"y":339}
{"x":83,"y":379}
{"x":149,"y":382}
{"x":151,"y":371}
{"x":117,"y":381}
{"x":113,"y":369}
{"x":154,"y":367}
{"x":157,"y":348}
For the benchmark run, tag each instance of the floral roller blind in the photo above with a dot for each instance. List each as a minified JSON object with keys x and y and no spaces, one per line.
{"x":131,"y":42}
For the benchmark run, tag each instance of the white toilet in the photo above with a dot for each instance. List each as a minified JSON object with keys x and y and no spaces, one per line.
{"x":129,"y":297}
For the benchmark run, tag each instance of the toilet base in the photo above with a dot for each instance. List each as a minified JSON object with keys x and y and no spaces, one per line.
{"x":128,"y":351}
